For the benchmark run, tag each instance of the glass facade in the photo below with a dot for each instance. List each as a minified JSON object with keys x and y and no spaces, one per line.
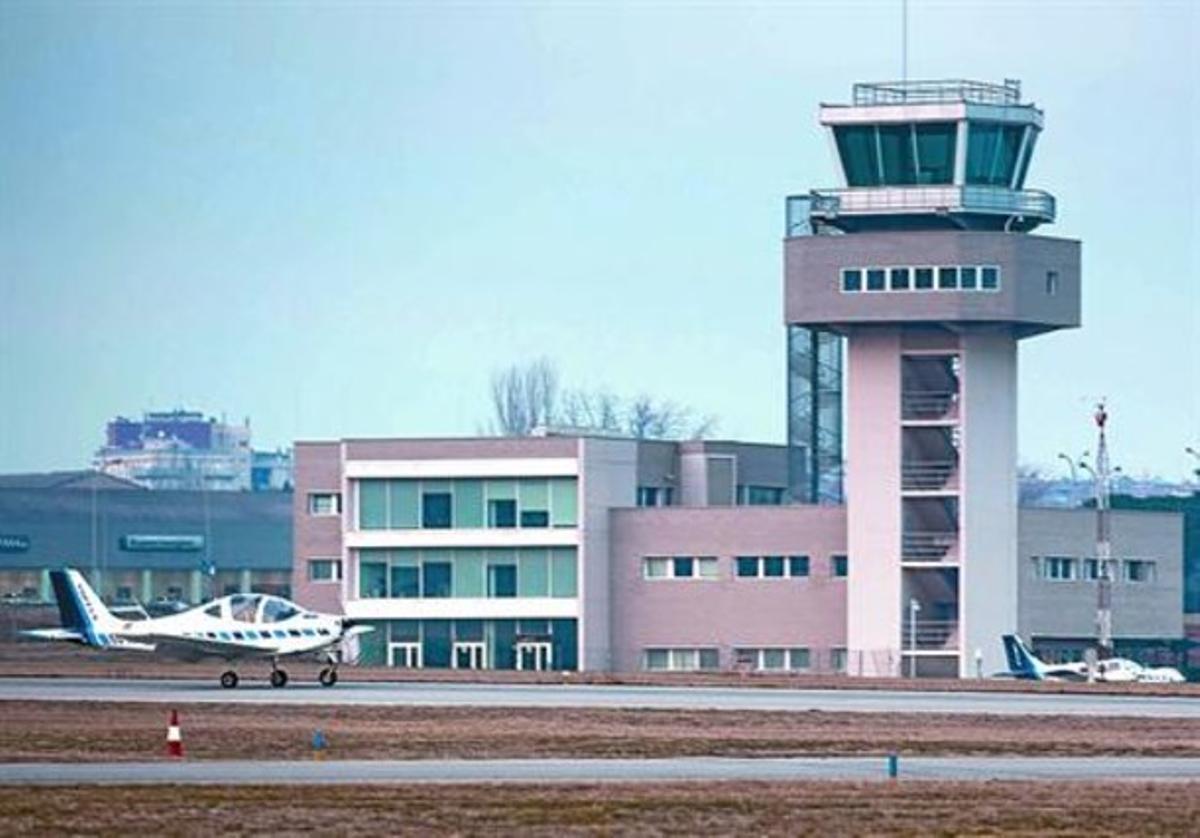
{"x":440,"y":573}
{"x":531,"y":503}
{"x":899,"y":154}
{"x":433,"y":644}
{"x":814,"y":415}
{"x":992,"y":149}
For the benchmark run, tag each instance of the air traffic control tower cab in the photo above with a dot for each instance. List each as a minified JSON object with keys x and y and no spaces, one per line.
{"x":912,"y":282}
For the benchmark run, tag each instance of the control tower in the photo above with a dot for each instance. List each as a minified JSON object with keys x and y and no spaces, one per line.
{"x":912,"y":283}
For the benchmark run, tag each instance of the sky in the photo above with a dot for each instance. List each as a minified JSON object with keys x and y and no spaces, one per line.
{"x":340,"y":220}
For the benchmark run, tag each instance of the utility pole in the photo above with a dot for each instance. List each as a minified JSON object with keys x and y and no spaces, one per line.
{"x":1103,"y":539}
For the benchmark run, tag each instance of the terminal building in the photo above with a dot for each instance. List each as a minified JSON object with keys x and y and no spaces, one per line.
{"x":883,"y":539}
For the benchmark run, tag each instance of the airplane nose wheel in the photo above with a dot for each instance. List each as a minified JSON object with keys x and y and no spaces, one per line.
{"x":279,"y":678}
{"x":328,"y":676}
{"x":229,"y":679}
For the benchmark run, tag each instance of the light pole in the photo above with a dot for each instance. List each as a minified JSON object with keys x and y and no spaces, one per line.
{"x":1070,"y":466}
{"x":1196,"y":454}
{"x":914,"y":608}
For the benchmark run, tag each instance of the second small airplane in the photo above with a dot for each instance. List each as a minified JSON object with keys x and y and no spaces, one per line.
{"x":1023,"y":663}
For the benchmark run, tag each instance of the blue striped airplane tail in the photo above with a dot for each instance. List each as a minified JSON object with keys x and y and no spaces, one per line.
{"x":81,"y":610}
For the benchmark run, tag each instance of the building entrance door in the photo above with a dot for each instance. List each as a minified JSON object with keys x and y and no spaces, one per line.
{"x":534,"y":655}
{"x":405,"y":655}
{"x":468,"y":655}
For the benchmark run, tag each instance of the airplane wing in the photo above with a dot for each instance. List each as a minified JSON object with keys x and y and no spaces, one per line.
{"x":1067,"y":671}
{"x":196,"y":648}
{"x":56,"y":634}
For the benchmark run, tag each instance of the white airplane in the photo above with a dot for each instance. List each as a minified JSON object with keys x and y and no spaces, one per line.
{"x":1023,"y":663}
{"x":238,"y":627}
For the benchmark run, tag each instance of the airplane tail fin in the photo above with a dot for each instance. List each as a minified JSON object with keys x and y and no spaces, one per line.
{"x":1021,"y":662}
{"x":80,"y":608}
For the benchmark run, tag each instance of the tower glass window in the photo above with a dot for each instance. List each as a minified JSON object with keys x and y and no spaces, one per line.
{"x":992,"y":149}
{"x":935,"y":143}
{"x":896,"y":149}
{"x":860,"y":154}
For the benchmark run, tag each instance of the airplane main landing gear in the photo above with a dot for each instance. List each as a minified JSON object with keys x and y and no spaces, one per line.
{"x":279,"y":678}
{"x":229,"y":679}
{"x":328,"y":676}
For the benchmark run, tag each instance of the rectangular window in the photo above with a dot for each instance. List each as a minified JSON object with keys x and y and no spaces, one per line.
{"x":658,"y":660}
{"x":896,"y":154}
{"x":1091,"y":569}
{"x":935,"y":151}
{"x":773,"y":566}
{"x":502,"y":514}
{"x":840,"y":566}
{"x":967,"y":278}
{"x":647,"y":496}
{"x":502,"y":581}
{"x":469,"y":573}
{"x":797,"y":566}
{"x":1058,"y":568}
{"x":798,"y":659}
{"x":535,"y":518}
{"x":760,"y":495}
{"x":533,"y":572}
{"x":774,"y":659}
{"x":563,"y":502}
{"x":1051,"y":283}
{"x":656,"y":567}
{"x":709,"y":659}
{"x":435,"y":580}
{"x":684,"y":567}
{"x":324,"y":503}
{"x":535,"y":503}
{"x":372,"y":580}
{"x":858,"y":150}
{"x":947,"y":279}
{"x":325,"y":570}
{"x":435,"y":510}
{"x":876,"y":279}
{"x":372,"y":504}
{"x":404,"y":508}
{"x":468,"y":504}
{"x":900,"y":279}
{"x":923,"y":279}
{"x":989,"y":279}
{"x":707,"y":567}
{"x":1138,"y":570}
{"x":747,"y":566}
{"x":563,"y":572}
{"x":837,"y":660}
{"x":406,"y":581}
{"x":851,"y":279}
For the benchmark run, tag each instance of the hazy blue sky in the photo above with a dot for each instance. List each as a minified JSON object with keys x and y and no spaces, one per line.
{"x":339,"y":221}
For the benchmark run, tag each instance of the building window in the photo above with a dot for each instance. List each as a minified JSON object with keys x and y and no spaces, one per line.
{"x":771,"y":567}
{"x":647,"y":496}
{"x":467,"y":503}
{"x":772,"y":659}
{"x":324,"y":503}
{"x":502,"y":514}
{"x":502,"y":581}
{"x":967,"y":278}
{"x":1059,"y":568}
{"x":851,"y":279}
{"x":989,"y":279}
{"x":435,"y":510}
{"x":837,"y":660}
{"x":681,"y":660}
{"x":435,"y":580}
{"x":840,"y":566}
{"x":679,"y":567}
{"x":923,"y":279}
{"x":759,"y":495}
{"x":1091,"y":569}
{"x":1138,"y":570}
{"x":876,"y":279}
{"x":324,"y":570}
{"x":900,"y":279}
{"x":1052,"y":283}
{"x":947,"y":279}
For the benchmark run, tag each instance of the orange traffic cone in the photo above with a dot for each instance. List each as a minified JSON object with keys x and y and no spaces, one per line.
{"x":174,"y":738}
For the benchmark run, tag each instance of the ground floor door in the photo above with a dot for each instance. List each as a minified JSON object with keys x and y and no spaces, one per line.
{"x":405,"y":655}
{"x":534,"y":655}
{"x":468,"y":655}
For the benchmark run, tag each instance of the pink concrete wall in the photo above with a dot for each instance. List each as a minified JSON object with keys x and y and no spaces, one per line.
{"x":727,"y":612}
{"x":318,"y":469}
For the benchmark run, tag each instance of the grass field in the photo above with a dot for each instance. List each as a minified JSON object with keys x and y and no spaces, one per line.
{"x":102,"y":731}
{"x":825,"y":808}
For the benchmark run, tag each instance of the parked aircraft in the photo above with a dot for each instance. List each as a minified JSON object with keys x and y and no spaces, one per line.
{"x":1023,"y":663}
{"x":234,"y":628}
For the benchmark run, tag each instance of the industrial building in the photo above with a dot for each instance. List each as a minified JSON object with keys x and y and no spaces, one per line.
{"x":138,"y":545}
{"x":884,"y":538}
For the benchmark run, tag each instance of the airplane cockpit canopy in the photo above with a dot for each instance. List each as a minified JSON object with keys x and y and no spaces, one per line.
{"x":253,"y":608}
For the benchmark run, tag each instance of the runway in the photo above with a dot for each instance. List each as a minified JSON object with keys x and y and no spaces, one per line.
{"x":596,"y":696}
{"x":599,"y":770}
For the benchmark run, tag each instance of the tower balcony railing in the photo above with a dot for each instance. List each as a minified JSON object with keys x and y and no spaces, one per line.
{"x":947,"y":199}
{"x":929,"y":546}
{"x":929,"y":475}
{"x":930,"y":634}
{"x":929,"y":405}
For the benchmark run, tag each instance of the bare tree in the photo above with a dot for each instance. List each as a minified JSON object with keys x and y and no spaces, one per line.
{"x":525,"y":397}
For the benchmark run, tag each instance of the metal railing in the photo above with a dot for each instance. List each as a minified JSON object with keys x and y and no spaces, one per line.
{"x":928,"y":545}
{"x":930,"y":634}
{"x":937,"y":90}
{"x":930,"y":405}
{"x":880,"y":200}
{"x":928,"y":475}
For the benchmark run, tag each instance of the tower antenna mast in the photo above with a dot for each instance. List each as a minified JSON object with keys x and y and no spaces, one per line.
{"x":1103,"y":537}
{"x":904,"y":40}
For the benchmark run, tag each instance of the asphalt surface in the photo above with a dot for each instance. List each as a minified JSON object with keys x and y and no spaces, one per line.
{"x":596,"y":696}
{"x":599,"y":770}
